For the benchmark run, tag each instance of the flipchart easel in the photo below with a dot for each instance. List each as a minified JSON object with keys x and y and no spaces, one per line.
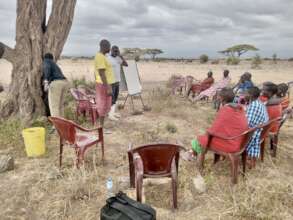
{"x":130,"y":82}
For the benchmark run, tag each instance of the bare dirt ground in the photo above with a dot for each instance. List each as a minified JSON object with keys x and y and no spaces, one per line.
{"x":38,"y":189}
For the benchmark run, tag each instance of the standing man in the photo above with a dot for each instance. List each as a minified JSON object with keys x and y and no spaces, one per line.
{"x":56,"y":84}
{"x":104,"y":79}
{"x":117,"y":62}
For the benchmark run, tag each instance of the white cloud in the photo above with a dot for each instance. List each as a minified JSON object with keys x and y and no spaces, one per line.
{"x":180,"y":27}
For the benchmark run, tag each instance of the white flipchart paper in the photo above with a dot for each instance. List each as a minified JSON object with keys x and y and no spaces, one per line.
{"x":132,"y":78}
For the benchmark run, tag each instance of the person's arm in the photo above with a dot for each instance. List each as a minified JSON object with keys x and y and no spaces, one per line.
{"x":46,"y":76}
{"x":101,"y":68}
{"x":123,"y":63}
{"x":105,"y":82}
{"x":102,"y":73}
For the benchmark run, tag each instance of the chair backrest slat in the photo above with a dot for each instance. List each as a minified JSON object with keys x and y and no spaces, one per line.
{"x":246,"y":138}
{"x":266,"y":127}
{"x":157,"y":158}
{"x":78,"y":95}
{"x":66,"y":129}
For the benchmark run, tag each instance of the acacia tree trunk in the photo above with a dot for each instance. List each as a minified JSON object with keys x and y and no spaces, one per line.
{"x":34,"y":38}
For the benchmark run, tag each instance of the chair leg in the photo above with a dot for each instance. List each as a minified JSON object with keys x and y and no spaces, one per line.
{"x":76,"y":113}
{"x":139,"y":179}
{"x":244,"y":157}
{"x":174,"y":191}
{"x":174,"y":176}
{"x":234,"y":167}
{"x":275,"y":145}
{"x":101,"y":137}
{"x":77,"y":152}
{"x":271,"y":142}
{"x":94,"y":116}
{"x":262,"y":150}
{"x":216,"y":158}
{"x":60,"y":153}
{"x":131,"y":170}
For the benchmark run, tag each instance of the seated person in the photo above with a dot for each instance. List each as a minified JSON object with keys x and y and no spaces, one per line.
{"x":273,"y":103}
{"x":242,"y":86}
{"x":210,"y":92}
{"x":282,"y":94}
{"x":203,"y":85}
{"x":256,"y":115}
{"x":230,"y":121}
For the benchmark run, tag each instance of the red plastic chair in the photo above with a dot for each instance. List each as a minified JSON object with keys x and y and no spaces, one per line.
{"x":82,"y":102}
{"x":85,"y":104}
{"x":274,"y":137}
{"x":154,"y":161}
{"x":178,"y":82}
{"x":234,"y":157}
{"x":264,"y":134}
{"x":78,"y":137}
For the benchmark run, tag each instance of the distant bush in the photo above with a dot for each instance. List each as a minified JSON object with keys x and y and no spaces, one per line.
{"x":83,"y":82}
{"x":215,"y":62}
{"x":256,"y":61}
{"x":203,"y":58}
{"x":275,"y":58}
{"x":1,"y":88}
{"x":290,"y":59}
{"x":233,"y":61}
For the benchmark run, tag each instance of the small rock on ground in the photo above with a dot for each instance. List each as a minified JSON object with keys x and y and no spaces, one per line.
{"x":6,"y":163}
{"x":198,"y":184}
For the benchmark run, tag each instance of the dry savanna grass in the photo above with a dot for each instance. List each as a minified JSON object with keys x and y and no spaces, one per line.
{"x":38,"y":189}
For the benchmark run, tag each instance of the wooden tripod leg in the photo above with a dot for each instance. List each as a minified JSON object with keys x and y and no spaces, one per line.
{"x":133,"y":109}
{"x":143,"y":105}
{"x":125,"y":101}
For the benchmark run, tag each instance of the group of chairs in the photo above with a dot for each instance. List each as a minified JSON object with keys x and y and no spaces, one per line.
{"x":161,"y":159}
{"x":184,"y":86}
{"x":246,"y":136}
{"x":154,"y":160}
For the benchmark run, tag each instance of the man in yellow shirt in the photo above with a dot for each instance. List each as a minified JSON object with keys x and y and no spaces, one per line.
{"x":104,"y":78}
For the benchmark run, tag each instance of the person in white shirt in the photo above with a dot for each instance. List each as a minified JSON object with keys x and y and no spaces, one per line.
{"x":117,"y":62}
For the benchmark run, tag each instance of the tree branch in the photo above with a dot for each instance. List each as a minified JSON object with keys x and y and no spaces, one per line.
{"x":59,"y":25}
{"x":6,"y":52}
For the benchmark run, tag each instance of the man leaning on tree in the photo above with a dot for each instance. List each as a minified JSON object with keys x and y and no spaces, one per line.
{"x":56,"y":85}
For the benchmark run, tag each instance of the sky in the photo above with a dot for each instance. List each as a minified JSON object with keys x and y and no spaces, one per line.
{"x":181,"y":28}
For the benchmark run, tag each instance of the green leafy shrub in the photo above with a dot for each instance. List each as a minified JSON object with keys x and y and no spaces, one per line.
{"x":203,"y":58}
{"x":233,"y":61}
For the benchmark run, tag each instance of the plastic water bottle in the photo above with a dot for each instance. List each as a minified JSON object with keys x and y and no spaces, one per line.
{"x":109,"y":185}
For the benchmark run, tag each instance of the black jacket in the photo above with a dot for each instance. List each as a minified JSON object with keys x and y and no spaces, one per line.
{"x":51,"y":71}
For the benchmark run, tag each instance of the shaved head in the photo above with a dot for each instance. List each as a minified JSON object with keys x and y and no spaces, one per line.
{"x":105,"y":46}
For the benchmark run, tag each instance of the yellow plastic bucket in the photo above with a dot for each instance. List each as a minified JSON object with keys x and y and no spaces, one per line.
{"x":34,"y":141}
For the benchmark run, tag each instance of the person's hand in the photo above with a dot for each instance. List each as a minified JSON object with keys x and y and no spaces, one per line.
{"x":46,"y":86}
{"x":109,"y":90}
